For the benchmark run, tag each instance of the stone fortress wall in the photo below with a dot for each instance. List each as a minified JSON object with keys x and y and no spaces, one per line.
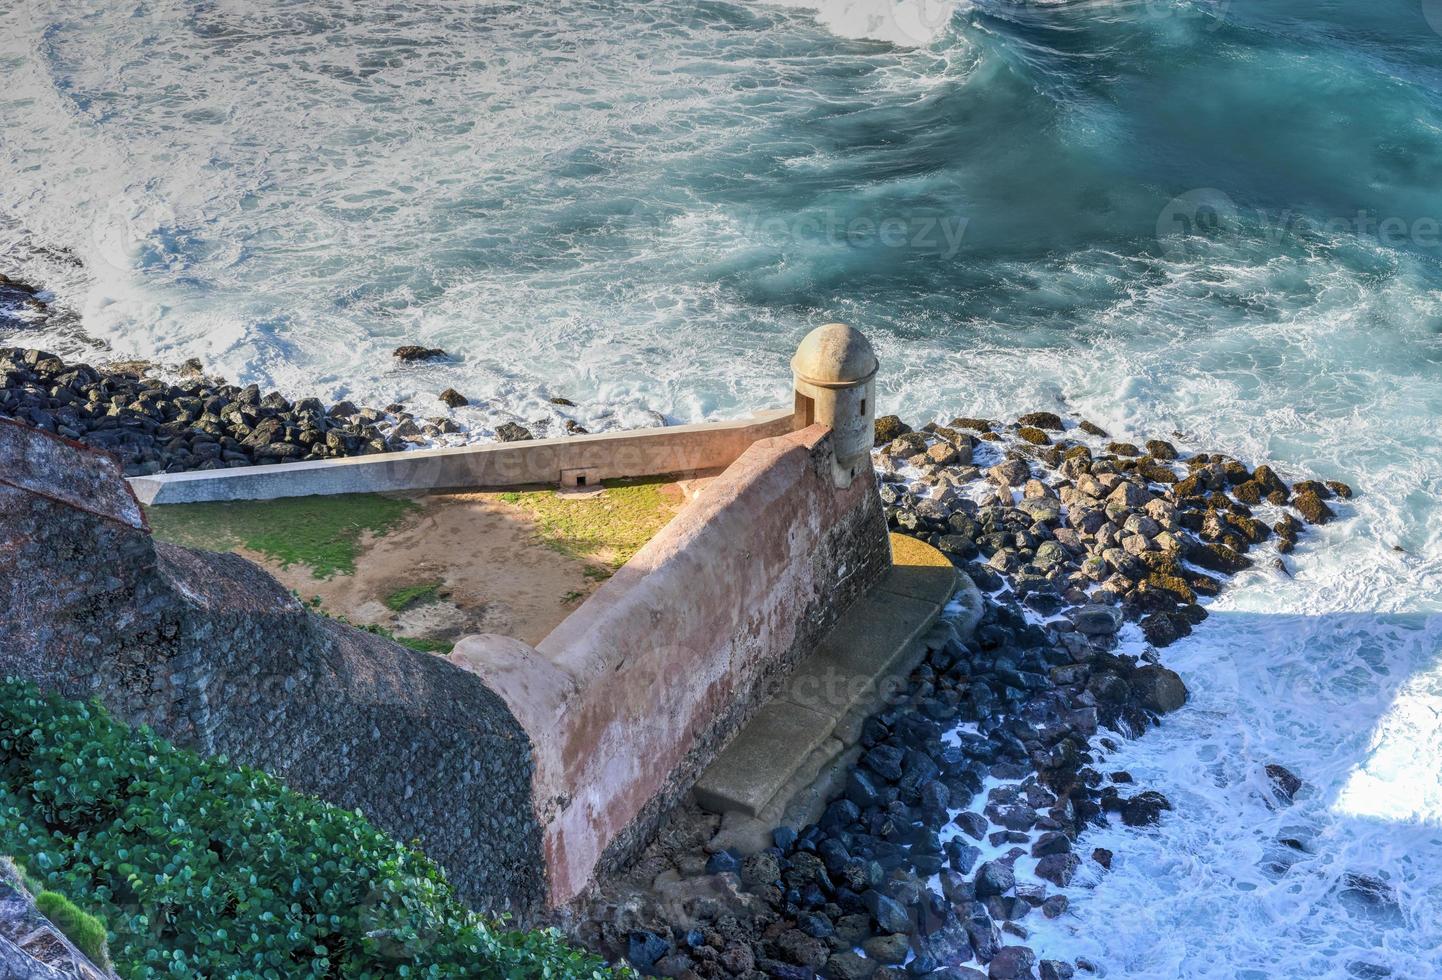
{"x":521,"y":770}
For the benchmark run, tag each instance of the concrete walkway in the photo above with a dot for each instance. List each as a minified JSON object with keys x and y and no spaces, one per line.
{"x":782,"y":759}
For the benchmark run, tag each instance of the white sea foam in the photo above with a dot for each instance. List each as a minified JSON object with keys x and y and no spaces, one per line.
{"x":613,"y":205}
{"x":912,"y":23}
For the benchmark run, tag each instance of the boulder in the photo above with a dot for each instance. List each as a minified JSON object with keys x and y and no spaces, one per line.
{"x":993,"y":878}
{"x":1284,"y":781}
{"x":890,"y":949}
{"x":1012,"y":963}
{"x":1042,"y":420}
{"x":1058,"y":868}
{"x":414,"y":352}
{"x":1158,"y":689}
{"x":849,"y":966}
{"x":1095,"y":619}
{"x":453,"y":398}
{"x":1129,"y":495}
{"x":1144,"y":809}
{"x":888,"y":427}
{"x":1313,"y":508}
{"x":888,"y":913}
{"x":1010,"y":473}
{"x":942,"y":453}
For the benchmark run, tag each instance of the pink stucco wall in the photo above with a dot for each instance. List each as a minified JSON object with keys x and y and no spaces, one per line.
{"x":636,"y":691}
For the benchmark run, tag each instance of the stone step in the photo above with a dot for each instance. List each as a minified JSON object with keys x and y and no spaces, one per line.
{"x":817,"y":715}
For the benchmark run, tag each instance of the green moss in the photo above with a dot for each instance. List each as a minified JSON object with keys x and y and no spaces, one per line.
{"x":81,"y":928}
{"x":322,"y":533}
{"x":607,"y":528}
{"x":413,"y":595}
{"x":424,"y":646}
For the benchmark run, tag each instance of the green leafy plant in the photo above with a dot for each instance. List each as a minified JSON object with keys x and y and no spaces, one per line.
{"x":202,"y":868}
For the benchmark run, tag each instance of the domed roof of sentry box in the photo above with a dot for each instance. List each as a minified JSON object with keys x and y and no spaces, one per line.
{"x":835,"y":356}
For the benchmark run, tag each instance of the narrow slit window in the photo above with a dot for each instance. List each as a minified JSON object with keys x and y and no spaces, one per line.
{"x":863,"y":407}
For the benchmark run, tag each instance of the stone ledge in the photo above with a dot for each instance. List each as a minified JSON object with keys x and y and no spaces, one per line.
{"x":816,"y":717}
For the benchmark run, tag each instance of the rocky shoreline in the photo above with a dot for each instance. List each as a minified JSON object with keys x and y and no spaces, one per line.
{"x":965,"y":813}
{"x":195,"y":422}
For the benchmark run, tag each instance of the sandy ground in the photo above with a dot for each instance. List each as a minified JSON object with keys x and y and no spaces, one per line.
{"x":494,"y":572}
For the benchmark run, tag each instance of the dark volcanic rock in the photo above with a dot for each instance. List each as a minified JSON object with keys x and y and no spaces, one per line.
{"x":511,"y":432}
{"x":993,"y":878}
{"x":1158,"y":688}
{"x":1012,"y":963}
{"x":1058,"y":868}
{"x":453,"y":398}
{"x":1284,"y":781}
{"x":1144,"y":809}
{"x":412,"y":352}
{"x":1042,"y":420}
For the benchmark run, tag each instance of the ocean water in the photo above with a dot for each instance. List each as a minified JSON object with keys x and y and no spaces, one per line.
{"x":1211,"y":218}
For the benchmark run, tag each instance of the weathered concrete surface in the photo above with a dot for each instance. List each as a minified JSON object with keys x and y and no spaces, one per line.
{"x":635,"y":693}
{"x":854,"y":669}
{"x":216,"y":656}
{"x":680,"y":449}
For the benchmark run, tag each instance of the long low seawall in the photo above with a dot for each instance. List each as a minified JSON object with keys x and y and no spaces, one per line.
{"x":602,"y":456}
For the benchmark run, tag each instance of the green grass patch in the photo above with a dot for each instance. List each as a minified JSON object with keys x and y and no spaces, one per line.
{"x":204,"y":869}
{"x":413,"y":595}
{"x":424,"y":646}
{"x":322,"y":533}
{"x":81,"y":928}
{"x":607,"y":528}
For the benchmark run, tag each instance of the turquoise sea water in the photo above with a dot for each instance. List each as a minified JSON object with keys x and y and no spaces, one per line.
{"x":1220,"y":219}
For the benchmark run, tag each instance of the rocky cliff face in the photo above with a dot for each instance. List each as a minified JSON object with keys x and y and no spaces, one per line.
{"x":214,"y":655}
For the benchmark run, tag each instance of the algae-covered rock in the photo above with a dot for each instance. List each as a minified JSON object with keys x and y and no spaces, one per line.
{"x":888,"y":427}
{"x":1042,"y":420}
{"x":1313,"y":508}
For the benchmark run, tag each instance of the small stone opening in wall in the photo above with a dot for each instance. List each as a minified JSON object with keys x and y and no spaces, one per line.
{"x":805,"y":410}
{"x":580,"y":477}
{"x":861,"y":413}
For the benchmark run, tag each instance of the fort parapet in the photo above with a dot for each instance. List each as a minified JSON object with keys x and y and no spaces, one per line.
{"x":522,"y":770}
